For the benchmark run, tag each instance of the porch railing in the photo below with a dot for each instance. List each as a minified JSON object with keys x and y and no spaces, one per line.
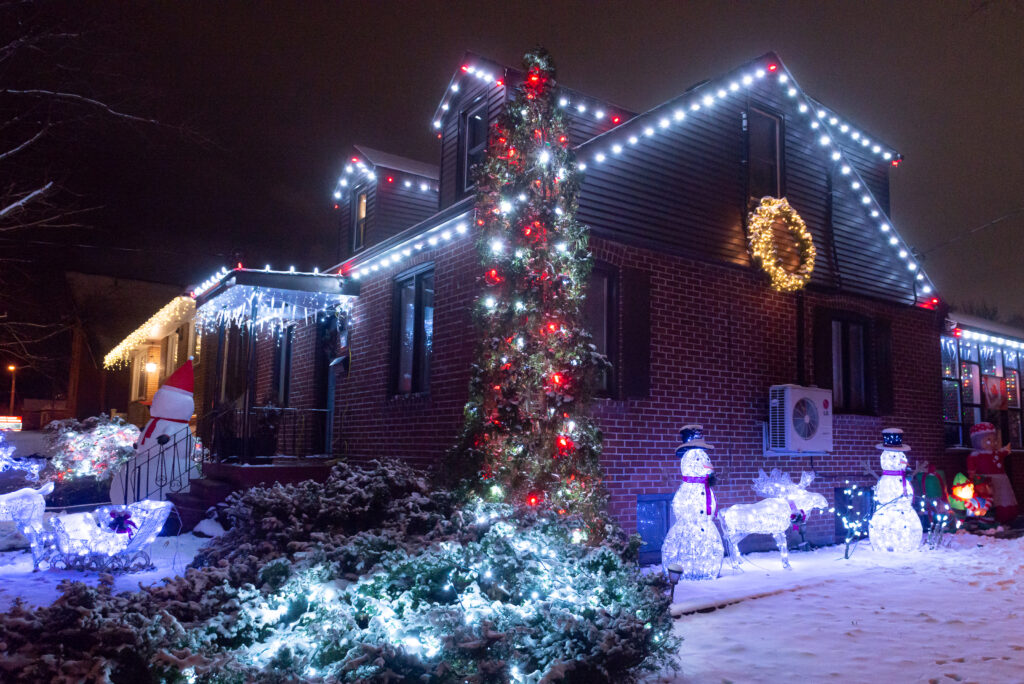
{"x":166,"y":469}
{"x":264,"y":431}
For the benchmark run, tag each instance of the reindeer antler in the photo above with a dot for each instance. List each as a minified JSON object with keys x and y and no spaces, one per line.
{"x":868,"y":470}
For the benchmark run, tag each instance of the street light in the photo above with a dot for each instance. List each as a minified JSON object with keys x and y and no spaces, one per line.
{"x":12,"y":368}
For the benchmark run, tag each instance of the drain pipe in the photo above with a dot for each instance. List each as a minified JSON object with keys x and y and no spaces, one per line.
{"x":332,"y":381}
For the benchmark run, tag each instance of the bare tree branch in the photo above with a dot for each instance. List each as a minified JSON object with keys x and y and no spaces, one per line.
{"x":82,"y":99}
{"x":20,"y":204}
{"x":35,"y":138}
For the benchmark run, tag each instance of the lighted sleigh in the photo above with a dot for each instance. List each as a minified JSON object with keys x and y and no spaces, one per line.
{"x":107,"y":540}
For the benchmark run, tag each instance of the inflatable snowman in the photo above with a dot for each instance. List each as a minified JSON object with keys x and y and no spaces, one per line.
{"x":163,"y":450}
{"x":895,"y":526}
{"x":693,"y":542}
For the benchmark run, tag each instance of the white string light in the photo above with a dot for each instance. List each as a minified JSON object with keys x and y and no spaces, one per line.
{"x":821,"y":119}
{"x":357,"y":168}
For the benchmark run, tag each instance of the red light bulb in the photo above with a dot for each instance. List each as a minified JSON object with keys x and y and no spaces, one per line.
{"x":773,"y":67}
{"x":616,"y":119}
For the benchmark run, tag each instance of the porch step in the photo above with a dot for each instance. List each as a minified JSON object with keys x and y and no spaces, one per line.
{"x":190,"y":507}
{"x":221,"y":479}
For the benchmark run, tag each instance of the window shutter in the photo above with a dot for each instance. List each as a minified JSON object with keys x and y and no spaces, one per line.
{"x":823,"y":348}
{"x":883,"y":367}
{"x":636,"y":333}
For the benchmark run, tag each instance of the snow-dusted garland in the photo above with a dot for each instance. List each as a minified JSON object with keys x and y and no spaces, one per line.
{"x":763,"y":248}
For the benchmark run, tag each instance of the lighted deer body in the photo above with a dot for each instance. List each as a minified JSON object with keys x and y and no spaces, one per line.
{"x":772,"y":515}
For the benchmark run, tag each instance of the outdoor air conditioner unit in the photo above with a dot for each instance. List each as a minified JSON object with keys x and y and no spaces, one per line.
{"x":799,"y":419}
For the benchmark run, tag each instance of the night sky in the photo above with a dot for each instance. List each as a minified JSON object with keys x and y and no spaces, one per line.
{"x":280,"y":91}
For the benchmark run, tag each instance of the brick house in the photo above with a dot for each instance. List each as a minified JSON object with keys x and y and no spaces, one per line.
{"x":692,"y":327}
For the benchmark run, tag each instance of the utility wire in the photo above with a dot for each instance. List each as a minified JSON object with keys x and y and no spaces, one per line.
{"x":972,"y":231}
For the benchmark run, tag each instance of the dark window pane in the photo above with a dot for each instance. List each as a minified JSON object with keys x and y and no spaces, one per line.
{"x":949,"y":359}
{"x":970,"y":383}
{"x":858,"y":391}
{"x":968,"y":351}
{"x":838,"y":364}
{"x":763,"y":137}
{"x":1014,"y":428}
{"x":972,"y":415}
{"x":474,"y":142}
{"x":950,"y":401}
{"x":953,"y":434}
{"x":596,"y":317}
{"x":991,"y":363}
{"x":427,"y":344}
{"x":406,"y":334}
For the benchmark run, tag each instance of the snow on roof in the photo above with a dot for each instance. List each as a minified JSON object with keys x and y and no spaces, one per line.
{"x":393,"y":161}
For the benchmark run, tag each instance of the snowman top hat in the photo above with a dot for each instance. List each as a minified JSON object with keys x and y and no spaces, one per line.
{"x":892,"y":440}
{"x":692,"y":437}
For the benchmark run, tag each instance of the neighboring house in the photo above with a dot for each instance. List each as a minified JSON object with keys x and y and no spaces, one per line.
{"x":153,"y":351}
{"x":382,"y":343}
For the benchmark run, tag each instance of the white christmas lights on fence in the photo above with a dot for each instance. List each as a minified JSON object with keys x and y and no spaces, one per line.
{"x":174,"y":313}
{"x":787,"y":503}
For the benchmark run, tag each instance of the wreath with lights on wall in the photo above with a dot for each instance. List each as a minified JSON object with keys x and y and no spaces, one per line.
{"x":763,"y":247}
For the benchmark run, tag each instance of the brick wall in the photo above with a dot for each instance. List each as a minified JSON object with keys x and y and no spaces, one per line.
{"x":719,"y":339}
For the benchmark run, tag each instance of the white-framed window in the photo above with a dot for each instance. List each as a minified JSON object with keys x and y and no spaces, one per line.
{"x":764,"y":154}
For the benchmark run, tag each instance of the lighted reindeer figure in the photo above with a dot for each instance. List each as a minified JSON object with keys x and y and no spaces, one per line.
{"x":772,"y":515}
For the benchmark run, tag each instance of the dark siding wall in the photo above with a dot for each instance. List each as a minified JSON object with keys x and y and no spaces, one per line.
{"x":399,"y":207}
{"x":684,"y":190}
{"x":471,"y":90}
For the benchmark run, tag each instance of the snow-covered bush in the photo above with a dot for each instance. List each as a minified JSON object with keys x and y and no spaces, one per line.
{"x":95,"y":447}
{"x":370,"y":576}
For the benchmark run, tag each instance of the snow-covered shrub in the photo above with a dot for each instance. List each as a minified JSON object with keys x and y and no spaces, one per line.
{"x":370,"y":576}
{"x":95,"y":447}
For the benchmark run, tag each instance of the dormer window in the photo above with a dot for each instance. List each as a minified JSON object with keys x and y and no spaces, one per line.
{"x":473,"y":141}
{"x":764,"y":154}
{"x":359,"y":222}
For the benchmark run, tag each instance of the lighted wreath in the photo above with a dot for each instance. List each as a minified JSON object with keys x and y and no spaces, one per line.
{"x":763,"y":248}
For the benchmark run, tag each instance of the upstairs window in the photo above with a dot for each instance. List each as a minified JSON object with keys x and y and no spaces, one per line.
{"x":359,"y":222}
{"x":853,"y":356}
{"x":764,"y":154}
{"x":473,"y":133}
{"x":599,"y":315}
{"x":981,"y":382}
{"x":413,"y":326}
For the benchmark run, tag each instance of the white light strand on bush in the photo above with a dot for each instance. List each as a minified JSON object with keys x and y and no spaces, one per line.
{"x":357,"y":168}
{"x":441,"y":234}
{"x":822,"y":122}
{"x":174,"y":313}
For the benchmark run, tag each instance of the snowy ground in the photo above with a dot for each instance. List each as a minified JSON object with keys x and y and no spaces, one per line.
{"x":952,"y":614}
{"x":170,"y":556}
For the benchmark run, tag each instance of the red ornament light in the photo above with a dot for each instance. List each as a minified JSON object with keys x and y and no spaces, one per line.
{"x":534,"y":78}
{"x":335,"y":206}
{"x":616,"y":119}
{"x":391,"y":179}
{"x":355,"y":160}
{"x":499,"y":83}
{"x":562,"y":139}
{"x":896,"y":161}
{"x":557,"y":379}
{"x":773,"y":67}
{"x":465,"y":67}
{"x":957,"y":332}
{"x":552,"y":327}
{"x":532,"y":500}
{"x":565,"y":444}
{"x":493,"y":277}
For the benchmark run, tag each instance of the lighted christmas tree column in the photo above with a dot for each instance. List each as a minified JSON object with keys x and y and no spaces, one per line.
{"x":527,"y":429}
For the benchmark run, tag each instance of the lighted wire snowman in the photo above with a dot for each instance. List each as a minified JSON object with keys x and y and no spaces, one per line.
{"x":895,"y":526}
{"x":693,"y":542}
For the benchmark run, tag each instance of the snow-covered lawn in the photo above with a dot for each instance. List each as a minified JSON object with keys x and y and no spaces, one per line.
{"x":953,"y":614}
{"x":170,"y":556}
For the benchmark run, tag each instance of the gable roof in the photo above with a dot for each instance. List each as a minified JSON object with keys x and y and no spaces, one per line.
{"x":397,"y":163}
{"x":837,"y":138}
